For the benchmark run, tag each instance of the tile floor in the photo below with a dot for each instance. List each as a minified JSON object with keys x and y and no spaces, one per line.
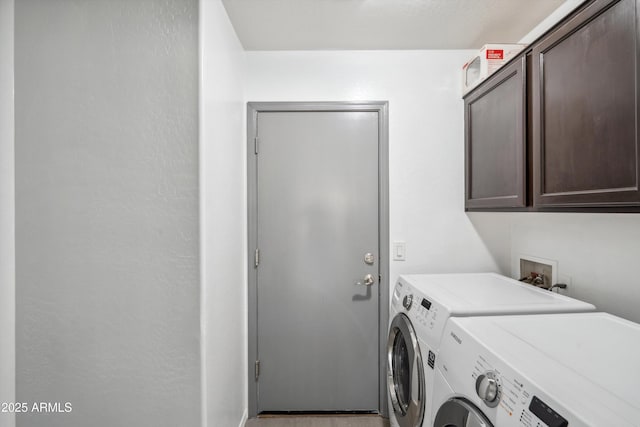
{"x":319,"y":421}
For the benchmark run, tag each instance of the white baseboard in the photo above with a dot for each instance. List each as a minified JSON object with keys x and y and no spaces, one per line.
{"x":245,"y":417}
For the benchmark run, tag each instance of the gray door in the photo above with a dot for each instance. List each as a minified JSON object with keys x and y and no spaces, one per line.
{"x":317,"y":219}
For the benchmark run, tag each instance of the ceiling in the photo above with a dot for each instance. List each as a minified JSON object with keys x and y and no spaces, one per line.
{"x":383,"y":24}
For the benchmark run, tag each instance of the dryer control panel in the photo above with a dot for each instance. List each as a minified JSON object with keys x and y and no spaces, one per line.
{"x":504,"y":396}
{"x":428,"y":317}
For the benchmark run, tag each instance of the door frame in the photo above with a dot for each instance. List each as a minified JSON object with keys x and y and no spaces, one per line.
{"x":253,"y":109}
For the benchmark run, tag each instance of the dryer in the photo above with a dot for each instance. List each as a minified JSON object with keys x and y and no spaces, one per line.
{"x":556,"y":370}
{"x":419,"y":309}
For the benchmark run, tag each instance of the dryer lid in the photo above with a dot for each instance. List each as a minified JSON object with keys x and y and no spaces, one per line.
{"x":471,"y":294}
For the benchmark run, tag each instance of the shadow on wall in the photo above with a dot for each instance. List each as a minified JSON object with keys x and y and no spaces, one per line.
{"x":494,"y":229}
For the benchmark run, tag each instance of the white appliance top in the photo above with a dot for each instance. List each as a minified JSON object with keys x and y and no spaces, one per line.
{"x":584,"y":366}
{"x":490,"y":293}
{"x":436,"y":297}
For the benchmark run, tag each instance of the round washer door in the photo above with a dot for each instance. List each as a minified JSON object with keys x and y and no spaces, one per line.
{"x":458,"y":412}
{"x":405,"y":373}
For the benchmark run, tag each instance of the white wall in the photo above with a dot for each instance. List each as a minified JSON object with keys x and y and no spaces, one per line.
{"x":7,"y":211}
{"x":107,"y":236}
{"x":426,"y":149}
{"x":565,"y":8}
{"x":597,"y":254}
{"x":223,"y":219}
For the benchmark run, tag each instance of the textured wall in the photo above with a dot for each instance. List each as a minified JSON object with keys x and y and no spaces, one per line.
{"x":107,"y":211}
{"x":223,"y":216}
{"x":7,"y":241}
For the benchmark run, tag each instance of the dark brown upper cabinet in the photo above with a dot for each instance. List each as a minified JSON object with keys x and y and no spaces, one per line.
{"x":495,"y":140}
{"x":585,"y":113}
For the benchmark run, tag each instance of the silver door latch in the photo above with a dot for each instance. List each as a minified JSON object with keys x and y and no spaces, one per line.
{"x":369,"y":258}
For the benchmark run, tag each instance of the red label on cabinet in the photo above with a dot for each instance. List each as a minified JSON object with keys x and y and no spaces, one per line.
{"x":495,"y":54}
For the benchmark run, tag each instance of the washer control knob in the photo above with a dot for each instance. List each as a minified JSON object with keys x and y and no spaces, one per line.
{"x":488,"y":389}
{"x":406,"y":302}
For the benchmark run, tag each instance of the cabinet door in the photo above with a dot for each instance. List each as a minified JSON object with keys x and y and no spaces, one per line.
{"x":585,"y":111}
{"x":495,"y":140}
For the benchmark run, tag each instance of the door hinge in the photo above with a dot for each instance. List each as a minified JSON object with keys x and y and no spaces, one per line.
{"x":257,"y":370}
{"x":256,"y":258}
{"x":255,"y":145}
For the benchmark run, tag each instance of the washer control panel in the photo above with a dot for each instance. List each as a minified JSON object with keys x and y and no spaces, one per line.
{"x":511,"y":398}
{"x":488,"y":388}
{"x":407,"y":301}
{"x":504,"y":380}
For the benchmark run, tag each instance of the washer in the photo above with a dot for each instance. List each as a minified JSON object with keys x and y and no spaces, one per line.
{"x":420,"y":307}
{"x":553,"y":370}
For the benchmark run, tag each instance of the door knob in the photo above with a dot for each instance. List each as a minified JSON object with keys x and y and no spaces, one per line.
{"x":369,"y":280}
